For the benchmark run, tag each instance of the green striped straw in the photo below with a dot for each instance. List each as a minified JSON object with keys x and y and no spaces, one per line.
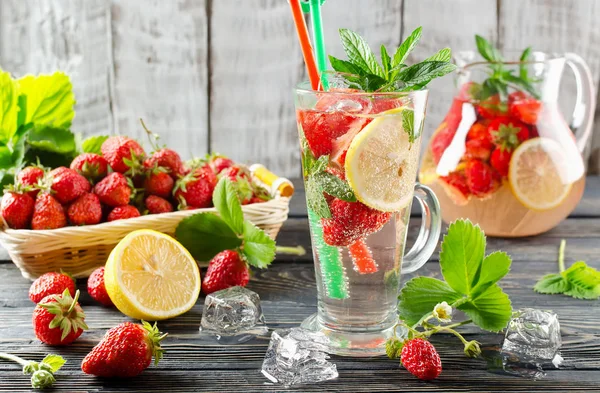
{"x":318,"y":38}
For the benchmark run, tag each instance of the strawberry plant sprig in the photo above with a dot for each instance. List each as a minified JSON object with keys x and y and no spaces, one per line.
{"x":470,"y":285}
{"x":42,"y":373}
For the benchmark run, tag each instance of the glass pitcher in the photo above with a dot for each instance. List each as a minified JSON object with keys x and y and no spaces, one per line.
{"x":504,"y":156}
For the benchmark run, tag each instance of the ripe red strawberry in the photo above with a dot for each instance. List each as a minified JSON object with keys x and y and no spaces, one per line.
{"x":58,"y":319}
{"x":17,"y":208}
{"x":67,"y":184}
{"x":51,"y":284}
{"x":226,"y":269}
{"x":86,"y":210}
{"x":218,"y":163}
{"x":524,"y":107}
{"x":257,"y":200}
{"x":123,"y":213}
{"x":241,"y":179}
{"x":159,"y":182}
{"x":421,"y":359}
{"x":351,"y":221}
{"x":125,"y":351}
{"x":455,"y":185}
{"x":479,"y":130}
{"x":96,"y":288}
{"x":48,"y":213}
{"x":31,"y":176}
{"x":500,"y":161}
{"x":122,"y":153}
{"x":508,"y":133}
{"x":195,"y":189}
{"x":478,"y":148}
{"x":480,"y":178}
{"x":169,"y":159}
{"x":90,"y":165}
{"x":492,"y":107}
{"x":113,"y":190}
{"x":440,"y":141}
{"x":156,"y":205}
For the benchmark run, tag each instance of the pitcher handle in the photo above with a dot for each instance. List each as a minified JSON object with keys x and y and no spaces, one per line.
{"x":431,"y":226}
{"x":585,"y":104}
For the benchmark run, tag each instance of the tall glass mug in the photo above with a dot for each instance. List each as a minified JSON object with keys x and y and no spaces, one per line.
{"x":360,"y":154}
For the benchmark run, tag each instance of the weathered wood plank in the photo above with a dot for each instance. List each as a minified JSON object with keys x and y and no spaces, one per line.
{"x":45,"y":36}
{"x":556,"y":26}
{"x":160,"y":54}
{"x":446,"y":24}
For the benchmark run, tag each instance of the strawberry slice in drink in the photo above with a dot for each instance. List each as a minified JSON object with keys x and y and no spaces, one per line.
{"x":362,"y":257}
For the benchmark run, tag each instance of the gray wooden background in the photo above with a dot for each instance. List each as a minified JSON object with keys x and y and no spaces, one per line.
{"x":218,"y":74}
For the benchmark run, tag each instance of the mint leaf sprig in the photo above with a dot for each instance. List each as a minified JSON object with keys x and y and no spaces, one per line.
{"x":579,"y":280}
{"x":42,"y":373}
{"x":362,"y":70}
{"x":206,"y":234}
{"x":470,"y":285}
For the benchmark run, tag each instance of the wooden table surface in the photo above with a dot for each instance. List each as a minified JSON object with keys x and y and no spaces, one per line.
{"x":197,"y":363}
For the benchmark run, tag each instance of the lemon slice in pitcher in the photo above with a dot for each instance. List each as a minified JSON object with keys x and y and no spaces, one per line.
{"x":150,"y":275}
{"x":535,"y":174}
{"x":381,"y":163}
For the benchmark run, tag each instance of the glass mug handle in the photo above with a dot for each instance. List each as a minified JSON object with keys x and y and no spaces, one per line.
{"x":585,"y":104}
{"x":431,"y":226}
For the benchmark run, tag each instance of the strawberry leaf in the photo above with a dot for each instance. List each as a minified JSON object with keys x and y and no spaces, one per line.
{"x":205,"y":235}
{"x":420,"y":295}
{"x":552,"y":284}
{"x":584,"y":281}
{"x":490,"y":311}
{"x":55,"y":362}
{"x":92,"y":144}
{"x":9,"y":109}
{"x":494,"y":267}
{"x":259,"y":248}
{"x":52,"y":139}
{"x":226,"y":201}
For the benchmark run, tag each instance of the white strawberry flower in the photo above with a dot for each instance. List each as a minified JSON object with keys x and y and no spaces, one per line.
{"x":443,"y":312}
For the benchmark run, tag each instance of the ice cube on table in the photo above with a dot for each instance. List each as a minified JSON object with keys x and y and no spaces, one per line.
{"x":297,"y":356}
{"x":233,"y":315}
{"x":532,"y":340}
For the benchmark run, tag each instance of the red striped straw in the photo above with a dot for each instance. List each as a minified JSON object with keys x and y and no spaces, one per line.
{"x":309,"y":57}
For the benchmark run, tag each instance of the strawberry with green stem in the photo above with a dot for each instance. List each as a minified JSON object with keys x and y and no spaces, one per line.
{"x":31,"y":177}
{"x":42,"y":373}
{"x":163,"y":156}
{"x":59,"y":319}
{"x":123,"y":154}
{"x":17,"y":206}
{"x":91,"y":166}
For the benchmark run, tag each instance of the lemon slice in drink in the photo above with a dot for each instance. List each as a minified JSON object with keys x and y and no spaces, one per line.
{"x":150,"y":275}
{"x":535,"y":174}
{"x":381,"y":163}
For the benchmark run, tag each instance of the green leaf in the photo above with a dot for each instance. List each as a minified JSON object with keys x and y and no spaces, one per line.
{"x":50,"y":100}
{"x":315,"y":199}
{"x":386,"y":61}
{"x":408,"y":124}
{"x":228,"y":205}
{"x":552,"y":284}
{"x":419,"y":296}
{"x":205,"y":235}
{"x":523,"y":73}
{"x":334,"y":186}
{"x":487,"y":50}
{"x":92,"y":144}
{"x":345,"y":66}
{"x":406,"y":47}
{"x":442,"y":55}
{"x":461,"y":257}
{"x":6,"y":158}
{"x":56,"y":140}
{"x":9,"y":108}
{"x":494,"y":267}
{"x":320,"y":165}
{"x":359,"y":53}
{"x":259,"y":248}
{"x":490,"y":311}
{"x":393,"y":348}
{"x":422,"y":73}
{"x":584,"y":281}
{"x":54,"y":361}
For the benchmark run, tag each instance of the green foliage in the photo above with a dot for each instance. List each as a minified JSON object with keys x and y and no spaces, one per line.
{"x":93,"y":144}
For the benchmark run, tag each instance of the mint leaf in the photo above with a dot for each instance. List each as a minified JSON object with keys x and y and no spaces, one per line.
{"x":320,"y":165}
{"x":487,"y":50}
{"x":420,"y":74}
{"x":490,"y":311}
{"x":52,"y":139}
{"x":259,"y":248}
{"x":443,"y":55}
{"x":359,"y":53}
{"x":408,"y":124}
{"x":345,"y":66}
{"x":494,"y":267}
{"x":463,"y":248}
{"x":552,"y":284}
{"x":55,"y":362}
{"x":50,"y":100}
{"x":523,"y":67}
{"x":228,"y":205}
{"x":9,"y":108}
{"x":386,"y":61}
{"x":315,"y":199}
{"x":205,"y":235}
{"x":406,"y":47}
{"x":419,"y":296}
{"x":92,"y":144}
{"x":334,"y":186}
{"x":584,"y":281}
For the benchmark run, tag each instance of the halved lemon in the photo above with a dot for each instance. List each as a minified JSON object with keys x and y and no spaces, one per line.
{"x":151,"y":276}
{"x":381,"y":163}
{"x":535,"y":174}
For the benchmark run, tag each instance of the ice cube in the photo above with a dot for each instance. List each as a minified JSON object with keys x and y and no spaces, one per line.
{"x":233,"y":315}
{"x":532,"y":341}
{"x":297,"y":356}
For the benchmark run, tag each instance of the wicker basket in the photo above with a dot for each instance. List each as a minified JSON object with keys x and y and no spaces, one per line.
{"x":80,"y":250}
